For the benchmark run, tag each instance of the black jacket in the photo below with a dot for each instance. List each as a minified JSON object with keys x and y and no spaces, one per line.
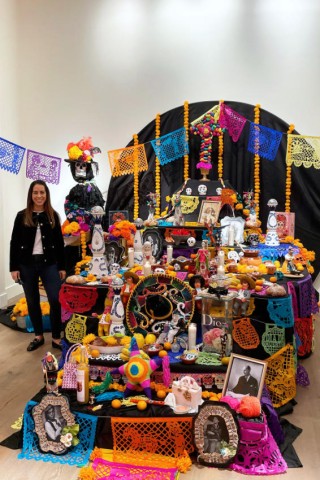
{"x":22,"y":241}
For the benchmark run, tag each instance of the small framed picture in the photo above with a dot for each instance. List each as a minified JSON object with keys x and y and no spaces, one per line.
{"x":209,"y":212}
{"x":153,"y":236}
{"x":114,"y":253}
{"x":285,"y":224}
{"x":245,"y":376}
{"x":50,"y":416}
{"x":117,"y":215}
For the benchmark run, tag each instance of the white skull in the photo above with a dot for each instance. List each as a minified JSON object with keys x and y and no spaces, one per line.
{"x":114,"y":268}
{"x":81,"y":170}
{"x":191,"y":241}
{"x":202,"y":189}
{"x":219,"y":191}
{"x":188,"y":191}
{"x":159,"y":270}
{"x":233,"y":255}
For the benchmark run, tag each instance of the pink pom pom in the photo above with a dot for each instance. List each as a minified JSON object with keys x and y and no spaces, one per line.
{"x":232,"y":402}
{"x":250,"y":407}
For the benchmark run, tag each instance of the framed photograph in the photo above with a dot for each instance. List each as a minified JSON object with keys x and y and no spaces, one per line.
{"x":245,"y":376}
{"x":153,"y":236}
{"x":216,"y":434}
{"x":113,"y":253}
{"x":209,"y":212}
{"x":50,"y":416}
{"x":117,"y":215}
{"x":285,"y":224}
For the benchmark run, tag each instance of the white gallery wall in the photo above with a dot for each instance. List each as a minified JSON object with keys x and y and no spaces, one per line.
{"x":105,"y":68}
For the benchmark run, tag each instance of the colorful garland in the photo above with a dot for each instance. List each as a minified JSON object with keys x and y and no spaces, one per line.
{"x":135,"y":181}
{"x":220,"y":152}
{"x":288,"y":177}
{"x":186,"y":126}
{"x":157,"y":170}
{"x":256,"y":174}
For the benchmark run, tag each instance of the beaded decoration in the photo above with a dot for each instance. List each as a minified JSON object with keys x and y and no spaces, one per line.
{"x":266,"y":139}
{"x":245,"y":334}
{"x":280,"y":311}
{"x":11,"y":156}
{"x":232,"y":121}
{"x":280,"y":376}
{"x":258,"y":452}
{"x":171,"y":146}
{"x":105,"y":469}
{"x":273,"y":338}
{"x":41,"y":166}
{"x":78,"y":455}
{"x":122,"y":161}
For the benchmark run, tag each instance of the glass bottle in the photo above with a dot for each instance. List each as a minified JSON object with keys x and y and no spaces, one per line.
{"x":83,"y":377}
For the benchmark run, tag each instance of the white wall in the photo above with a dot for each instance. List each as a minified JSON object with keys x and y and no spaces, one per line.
{"x":105,"y":68}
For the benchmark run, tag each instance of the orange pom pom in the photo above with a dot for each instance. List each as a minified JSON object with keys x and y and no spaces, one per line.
{"x":250,"y":407}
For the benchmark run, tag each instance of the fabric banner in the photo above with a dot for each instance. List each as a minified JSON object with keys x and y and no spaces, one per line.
{"x":264,"y":141}
{"x":11,"y":156}
{"x":41,"y":166}
{"x":171,"y":146}
{"x":124,"y":161}
{"x":303,"y":150}
{"x":232,"y":121}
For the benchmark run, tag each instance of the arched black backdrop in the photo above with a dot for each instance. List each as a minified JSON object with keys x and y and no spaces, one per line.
{"x":237,"y":169}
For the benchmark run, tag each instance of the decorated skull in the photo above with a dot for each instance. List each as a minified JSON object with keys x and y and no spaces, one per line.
{"x":188,"y":191}
{"x":191,"y":241}
{"x":233,"y":255}
{"x":202,"y":189}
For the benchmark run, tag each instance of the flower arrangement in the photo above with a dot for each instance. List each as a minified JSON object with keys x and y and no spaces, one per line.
{"x":123,"y":229}
{"x":21,"y":309}
{"x":82,"y":150}
{"x":74,"y":228}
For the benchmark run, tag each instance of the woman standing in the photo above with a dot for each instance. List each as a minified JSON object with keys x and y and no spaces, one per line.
{"x":37,"y":251}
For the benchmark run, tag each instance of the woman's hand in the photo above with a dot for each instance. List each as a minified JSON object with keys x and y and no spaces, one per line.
{"x":15,"y":276}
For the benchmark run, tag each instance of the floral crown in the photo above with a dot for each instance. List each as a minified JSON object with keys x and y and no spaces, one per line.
{"x":83,"y":151}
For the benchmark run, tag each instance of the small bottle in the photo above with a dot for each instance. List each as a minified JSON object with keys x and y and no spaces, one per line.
{"x":83,"y":377}
{"x":192,"y":336}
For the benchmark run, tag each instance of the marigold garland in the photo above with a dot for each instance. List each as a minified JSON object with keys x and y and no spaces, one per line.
{"x":157,"y":170}
{"x":135,"y":181}
{"x":220,"y":151}
{"x":256,"y":173}
{"x":288,"y":177}
{"x":186,"y":126}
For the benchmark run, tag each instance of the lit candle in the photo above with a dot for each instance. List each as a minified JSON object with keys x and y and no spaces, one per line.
{"x":147,"y":270}
{"x":130,"y":257}
{"x":169,"y":253}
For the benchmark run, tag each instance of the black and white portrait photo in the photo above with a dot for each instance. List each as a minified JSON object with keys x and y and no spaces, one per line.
{"x":245,"y":376}
{"x":153,"y":236}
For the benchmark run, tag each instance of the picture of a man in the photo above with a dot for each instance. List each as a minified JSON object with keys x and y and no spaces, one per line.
{"x":247,"y":384}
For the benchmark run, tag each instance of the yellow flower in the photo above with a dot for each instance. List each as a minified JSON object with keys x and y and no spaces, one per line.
{"x":86,"y":473}
{"x":88,"y":339}
{"x":75,"y":153}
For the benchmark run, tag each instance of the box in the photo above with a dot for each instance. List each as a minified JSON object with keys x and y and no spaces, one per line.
{"x":216,"y":323}
{"x":285,"y":224}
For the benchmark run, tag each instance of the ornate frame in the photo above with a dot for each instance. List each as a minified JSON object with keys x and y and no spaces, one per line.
{"x":61,"y":407}
{"x":219,"y":450}
{"x":209,"y":203}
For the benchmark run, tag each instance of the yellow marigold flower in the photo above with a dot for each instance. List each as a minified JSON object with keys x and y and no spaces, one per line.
{"x":74,"y":153}
{"x":111,"y":341}
{"x":96,"y":453}
{"x":86,"y":473}
{"x":88,"y":338}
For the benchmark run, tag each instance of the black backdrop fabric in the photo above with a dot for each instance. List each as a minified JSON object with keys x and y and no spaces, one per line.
{"x":238,"y":166}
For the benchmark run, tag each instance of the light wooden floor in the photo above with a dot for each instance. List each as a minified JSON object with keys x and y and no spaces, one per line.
{"x":21,"y":378}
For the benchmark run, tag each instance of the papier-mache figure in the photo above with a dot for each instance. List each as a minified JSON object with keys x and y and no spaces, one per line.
{"x":85,"y":195}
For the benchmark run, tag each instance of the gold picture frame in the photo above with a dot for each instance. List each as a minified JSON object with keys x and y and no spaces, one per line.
{"x":236,"y":385}
{"x":209,"y":212}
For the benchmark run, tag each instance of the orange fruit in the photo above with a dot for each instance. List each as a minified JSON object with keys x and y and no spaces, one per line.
{"x":273,"y":279}
{"x":167,"y":345}
{"x":142,"y":405}
{"x":163,"y":353}
{"x":161,"y":394}
{"x":116,"y":403}
{"x":258,"y":288}
{"x":94,"y":353}
{"x":259,"y":281}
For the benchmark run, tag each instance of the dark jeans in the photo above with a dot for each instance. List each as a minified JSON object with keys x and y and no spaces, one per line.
{"x":50,"y":278}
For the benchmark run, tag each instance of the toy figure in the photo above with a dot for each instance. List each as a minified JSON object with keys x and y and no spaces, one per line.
{"x":289,"y":265}
{"x":202,"y":260}
{"x":242,"y":299}
{"x":131,"y":279}
{"x":147,"y":254}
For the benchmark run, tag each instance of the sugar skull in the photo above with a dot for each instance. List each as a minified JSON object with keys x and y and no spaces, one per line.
{"x":202,"y":189}
{"x":188,"y":191}
{"x":191,"y":241}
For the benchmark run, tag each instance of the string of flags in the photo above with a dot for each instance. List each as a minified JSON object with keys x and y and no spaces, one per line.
{"x":301,"y":150}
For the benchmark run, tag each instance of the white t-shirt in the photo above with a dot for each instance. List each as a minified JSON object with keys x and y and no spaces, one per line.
{"x":37,"y":247}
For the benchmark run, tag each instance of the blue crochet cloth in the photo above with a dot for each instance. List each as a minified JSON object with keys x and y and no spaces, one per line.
{"x":273,"y":253}
{"x":264,"y":141}
{"x":280,"y":311}
{"x":171,"y":146}
{"x":11,"y":156}
{"x":78,"y":455}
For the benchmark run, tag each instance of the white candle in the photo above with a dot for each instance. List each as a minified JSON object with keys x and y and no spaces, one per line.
{"x":231,"y":236}
{"x":220,"y":270}
{"x":192,"y":336}
{"x":221,"y":258}
{"x":130,"y":257}
{"x":169,"y":253}
{"x":147,"y":270}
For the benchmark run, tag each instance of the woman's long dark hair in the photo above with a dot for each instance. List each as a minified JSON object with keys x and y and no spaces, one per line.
{"x":28,"y":217}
